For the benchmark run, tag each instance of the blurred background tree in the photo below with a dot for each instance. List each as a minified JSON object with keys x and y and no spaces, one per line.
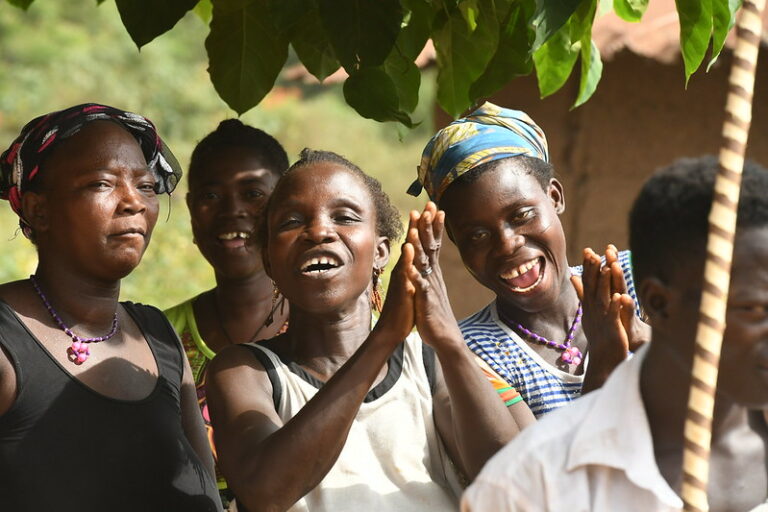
{"x":62,"y":53}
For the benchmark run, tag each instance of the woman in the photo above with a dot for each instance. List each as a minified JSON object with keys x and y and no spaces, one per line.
{"x":97,"y":403}
{"x":491,"y":175}
{"x":334,"y":414}
{"x":232,"y":173}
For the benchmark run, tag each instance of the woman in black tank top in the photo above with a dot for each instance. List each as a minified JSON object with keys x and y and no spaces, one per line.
{"x":97,"y":406}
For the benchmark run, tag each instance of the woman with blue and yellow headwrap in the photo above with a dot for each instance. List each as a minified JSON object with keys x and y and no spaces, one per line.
{"x":490,"y":173}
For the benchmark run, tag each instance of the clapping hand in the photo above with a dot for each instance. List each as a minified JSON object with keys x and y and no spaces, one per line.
{"x":433,"y":314}
{"x":610,"y":323}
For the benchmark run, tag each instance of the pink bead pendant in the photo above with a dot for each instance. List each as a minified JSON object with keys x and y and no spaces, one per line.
{"x":572,"y":355}
{"x":78,"y":352}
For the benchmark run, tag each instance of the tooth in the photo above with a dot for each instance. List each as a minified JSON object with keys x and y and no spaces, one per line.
{"x":323,"y":261}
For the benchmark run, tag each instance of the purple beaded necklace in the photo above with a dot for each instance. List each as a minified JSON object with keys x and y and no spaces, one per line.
{"x":570,"y":355}
{"x":79,"y":351}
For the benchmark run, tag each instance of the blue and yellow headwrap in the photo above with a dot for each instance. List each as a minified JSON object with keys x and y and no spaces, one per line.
{"x":489,"y":133}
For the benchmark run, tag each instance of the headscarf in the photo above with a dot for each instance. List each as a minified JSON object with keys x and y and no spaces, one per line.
{"x":20,"y":163}
{"x":489,"y":133}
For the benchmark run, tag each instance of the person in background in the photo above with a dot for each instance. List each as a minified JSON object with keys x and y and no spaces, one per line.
{"x":621,"y":447}
{"x":336,"y":413}
{"x":232,"y":173}
{"x":490,"y":173}
{"x":97,"y":403}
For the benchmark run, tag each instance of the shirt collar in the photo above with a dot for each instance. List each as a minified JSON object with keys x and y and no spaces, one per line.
{"x":616,"y":433}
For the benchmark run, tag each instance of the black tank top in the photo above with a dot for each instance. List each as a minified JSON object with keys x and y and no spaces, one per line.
{"x":65,"y":447}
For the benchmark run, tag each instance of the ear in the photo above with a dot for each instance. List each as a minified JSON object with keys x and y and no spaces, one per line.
{"x":34,"y":206}
{"x":655,"y":297}
{"x":556,"y":195}
{"x":381,"y":256}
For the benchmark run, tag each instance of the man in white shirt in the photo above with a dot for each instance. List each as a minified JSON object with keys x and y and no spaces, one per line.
{"x":620,"y":448}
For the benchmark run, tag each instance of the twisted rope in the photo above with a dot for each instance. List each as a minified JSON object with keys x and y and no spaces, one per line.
{"x":717,"y":270}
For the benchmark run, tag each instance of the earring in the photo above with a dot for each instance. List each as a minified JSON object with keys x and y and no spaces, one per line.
{"x":376,"y":301}
{"x":275,"y":295}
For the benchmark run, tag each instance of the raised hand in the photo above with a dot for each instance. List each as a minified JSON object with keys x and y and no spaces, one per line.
{"x":609,"y":320}
{"x":433,"y":314}
{"x":397,"y":315}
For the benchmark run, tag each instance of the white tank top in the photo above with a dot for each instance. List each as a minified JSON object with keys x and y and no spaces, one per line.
{"x":393,"y":460}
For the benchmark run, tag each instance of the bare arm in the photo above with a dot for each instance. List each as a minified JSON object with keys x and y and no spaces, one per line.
{"x":271,"y":465}
{"x":7,"y":383}
{"x":192,"y":420}
{"x":471,"y":419}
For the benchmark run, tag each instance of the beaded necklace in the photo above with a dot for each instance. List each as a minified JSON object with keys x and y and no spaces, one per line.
{"x":570,"y":355}
{"x":80,"y":349}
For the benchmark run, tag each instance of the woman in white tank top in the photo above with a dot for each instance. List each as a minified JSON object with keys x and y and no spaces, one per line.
{"x":335,"y":415}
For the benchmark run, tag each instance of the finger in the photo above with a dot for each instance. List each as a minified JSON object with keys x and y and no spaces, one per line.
{"x":420,"y":258}
{"x":406,"y":259}
{"x":413,"y":219}
{"x":426,"y":235}
{"x":438,"y":227}
{"x":627,"y":311}
{"x":614,"y":308}
{"x":416,"y":281}
{"x":577,"y":284}
{"x":618,"y":284}
{"x":611,"y":255}
{"x":604,"y":288}
{"x":590,"y":274}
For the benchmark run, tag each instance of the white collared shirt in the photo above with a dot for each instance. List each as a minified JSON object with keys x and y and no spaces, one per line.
{"x":594,"y":455}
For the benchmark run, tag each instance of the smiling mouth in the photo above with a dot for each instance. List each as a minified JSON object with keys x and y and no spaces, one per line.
{"x":320,"y":265}
{"x":525,"y":277}
{"x":234,"y":239}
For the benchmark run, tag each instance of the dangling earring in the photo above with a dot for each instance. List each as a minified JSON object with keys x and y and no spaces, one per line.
{"x":275,"y":295}
{"x":376,"y":302}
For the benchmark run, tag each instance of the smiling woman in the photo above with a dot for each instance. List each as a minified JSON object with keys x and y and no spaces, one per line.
{"x":336,"y":414}
{"x":91,"y":387}
{"x":231,"y":176}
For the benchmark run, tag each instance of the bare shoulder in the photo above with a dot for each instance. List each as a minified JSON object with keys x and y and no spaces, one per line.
{"x":236,"y":372}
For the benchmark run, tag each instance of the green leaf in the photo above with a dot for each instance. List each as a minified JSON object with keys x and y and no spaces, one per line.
{"x":462,"y":56}
{"x":695,"y":32}
{"x":512,"y":57}
{"x":146,"y":19}
{"x":591,"y":71}
{"x":204,"y":10}
{"x":550,"y":17}
{"x":245,"y":51}
{"x":554,"y":61}
{"x":371,"y":92}
{"x":468,"y":10}
{"x":406,"y":77}
{"x":362,"y":32}
{"x":723,"y":20}
{"x":299,"y":21}
{"x":414,"y":35}
{"x":630,"y":10}
{"x":21,"y":4}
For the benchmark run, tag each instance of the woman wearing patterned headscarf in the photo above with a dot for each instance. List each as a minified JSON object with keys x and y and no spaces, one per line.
{"x":97,"y":406}
{"x":490,"y":173}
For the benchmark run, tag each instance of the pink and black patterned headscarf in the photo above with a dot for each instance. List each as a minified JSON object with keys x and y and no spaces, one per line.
{"x":20,"y":163}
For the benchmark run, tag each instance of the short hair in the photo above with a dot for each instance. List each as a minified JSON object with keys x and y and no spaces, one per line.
{"x":388,"y":222}
{"x":536,"y":167}
{"x":669,"y":219}
{"x":232,"y":133}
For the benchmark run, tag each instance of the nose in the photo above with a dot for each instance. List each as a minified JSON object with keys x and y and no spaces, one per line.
{"x":233,"y":206}
{"x":509,"y":241}
{"x":319,"y":231}
{"x":132,"y":200}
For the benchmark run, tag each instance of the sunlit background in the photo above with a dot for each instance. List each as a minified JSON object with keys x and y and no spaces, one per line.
{"x":59,"y":54}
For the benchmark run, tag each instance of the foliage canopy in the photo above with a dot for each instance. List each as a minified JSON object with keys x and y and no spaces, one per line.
{"x":480,"y":44}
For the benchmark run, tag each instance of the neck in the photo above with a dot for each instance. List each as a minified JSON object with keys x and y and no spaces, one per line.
{"x":244,"y":297}
{"x":79,"y":299}
{"x":665,"y":381}
{"x":325,"y":341}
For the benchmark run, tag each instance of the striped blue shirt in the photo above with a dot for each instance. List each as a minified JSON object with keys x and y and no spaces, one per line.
{"x":542,"y":386}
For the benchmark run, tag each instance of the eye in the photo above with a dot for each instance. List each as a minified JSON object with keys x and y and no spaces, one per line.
{"x":753,"y":311}
{"x":254,"y":194}
{"x":477,"y":236}
{"x":289,"y":222}
{"x":148,"y":187}
{"x":208,"y":195}
{"x":524,"y":215}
